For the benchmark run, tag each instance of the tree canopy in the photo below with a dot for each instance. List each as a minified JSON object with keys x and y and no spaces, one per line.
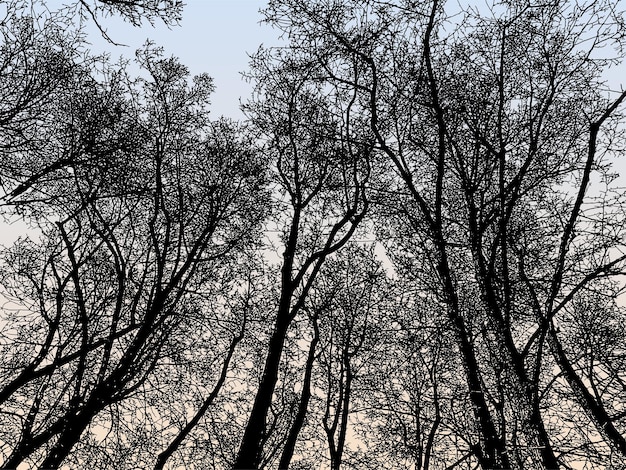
{"x":410,"y":254}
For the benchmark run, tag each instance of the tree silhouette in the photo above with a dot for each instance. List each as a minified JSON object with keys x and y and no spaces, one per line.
{"x":321,"y":169}
{"x":129,"y":259}
{"x":473,"y":127}
{"x":410,"y":255}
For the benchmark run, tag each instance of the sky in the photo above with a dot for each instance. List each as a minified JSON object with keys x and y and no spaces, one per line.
{"x":214,"y":36}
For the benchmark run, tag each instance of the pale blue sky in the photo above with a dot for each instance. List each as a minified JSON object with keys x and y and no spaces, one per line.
{"x":214,"y":36}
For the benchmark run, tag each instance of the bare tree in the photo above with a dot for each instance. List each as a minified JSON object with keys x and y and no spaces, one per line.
{"x":45,"y":74}
{"x":322,"y":168}
{"x":350,"y":339}
{"x":196,"y":297}
{"x":484,"y":124}
{"x":134,"y":242}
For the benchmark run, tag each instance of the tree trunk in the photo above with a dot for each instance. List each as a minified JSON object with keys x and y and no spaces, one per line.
{"x":249,"y":455}
{"x":167,"y":453}
{"x":290,"y":444}
{"x":594,"y":409}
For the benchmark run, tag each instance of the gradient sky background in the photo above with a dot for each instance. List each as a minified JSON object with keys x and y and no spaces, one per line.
{"x":214,"y":36}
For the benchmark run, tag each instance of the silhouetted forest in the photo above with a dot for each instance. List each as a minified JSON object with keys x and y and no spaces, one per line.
{"x":410,"y":254}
